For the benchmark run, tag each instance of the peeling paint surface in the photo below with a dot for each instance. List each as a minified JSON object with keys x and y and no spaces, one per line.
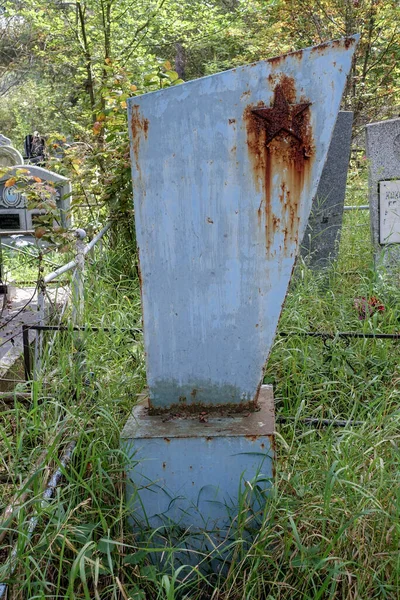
{"x":175,"y":477}
{"x":222,"y":198}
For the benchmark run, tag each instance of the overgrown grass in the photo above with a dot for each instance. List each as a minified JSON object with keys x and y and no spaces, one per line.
{"x":332,"y":527}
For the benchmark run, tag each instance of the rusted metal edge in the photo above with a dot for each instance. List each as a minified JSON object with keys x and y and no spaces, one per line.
{"x":346,"y":41}
{"x":206,"y":424}
{"x":178,"y":409}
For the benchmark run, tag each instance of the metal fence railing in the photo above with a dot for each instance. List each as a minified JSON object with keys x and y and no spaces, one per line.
{"x":77,"y":266}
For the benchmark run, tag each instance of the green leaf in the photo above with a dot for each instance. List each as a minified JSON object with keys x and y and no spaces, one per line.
{"x":173,"y":75}
{"x":149,"y":572}
{"x":150,"y":78}
{"x":136,"y":558}
{"x":105,"y":545}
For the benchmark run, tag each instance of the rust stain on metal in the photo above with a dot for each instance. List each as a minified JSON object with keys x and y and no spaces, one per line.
{"x":348,"y":41}
{"x":139,"y":128}
{"x":231,"y":121}
{"x":177,"y":410}
{"x":272,"y":442}
{"x":167,"y":440}
{"x":272,"y":78}
{"x":252,"y":438}
{"x":279,"y":140}
{"x":164,"y":465}
{"x":276,"y":60}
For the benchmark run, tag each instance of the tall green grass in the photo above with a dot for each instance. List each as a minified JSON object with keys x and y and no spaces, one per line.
{"x":332,"y":524}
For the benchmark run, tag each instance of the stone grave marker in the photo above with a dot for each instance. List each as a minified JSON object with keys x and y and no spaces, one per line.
{"x":321,"y":240}
{"x":9,"y":156}
{"x":4,"y":141}
{"x":224,"y":170}
{"x":383,"y":153}
{"x":14,"y":214}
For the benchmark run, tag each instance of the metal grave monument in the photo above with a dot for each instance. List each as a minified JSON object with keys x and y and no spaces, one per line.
{"x":14,"y":213}
{"x":224,"y":172}
{"x":321,"y":240}
{"x":383,"y":153}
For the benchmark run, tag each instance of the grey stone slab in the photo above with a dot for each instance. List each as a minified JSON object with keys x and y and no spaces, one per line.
{"x":383,"y":153}
{"x":21,"y":309}
{"x":321,"y":241}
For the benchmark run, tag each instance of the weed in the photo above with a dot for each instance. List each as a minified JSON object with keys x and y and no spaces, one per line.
{"x":331,"y":526}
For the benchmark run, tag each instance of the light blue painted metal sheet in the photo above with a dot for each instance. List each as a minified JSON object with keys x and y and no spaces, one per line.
{"x":224,"y":171}
{"x":175,"y":478}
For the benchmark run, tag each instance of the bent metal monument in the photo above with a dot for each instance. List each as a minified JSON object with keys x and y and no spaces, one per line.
{"x":224,"y":172}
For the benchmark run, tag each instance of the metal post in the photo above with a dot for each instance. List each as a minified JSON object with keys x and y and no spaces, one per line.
{"x":3,"y":287}
{"x":78,"y":301}
{"x":39,"y":334}
{"x":78,"y":278}
{"x":27,"y":352}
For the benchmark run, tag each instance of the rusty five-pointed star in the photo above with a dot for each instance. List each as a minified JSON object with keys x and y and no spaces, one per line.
{"x":282,"y":116}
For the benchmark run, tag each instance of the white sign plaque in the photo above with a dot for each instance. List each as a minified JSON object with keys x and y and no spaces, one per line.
{"x":389,"y":212}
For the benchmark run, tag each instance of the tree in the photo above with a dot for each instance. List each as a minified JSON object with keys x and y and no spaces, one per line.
{"x":373,"y":88}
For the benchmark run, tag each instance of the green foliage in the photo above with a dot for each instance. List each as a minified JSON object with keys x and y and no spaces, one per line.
{"x":76,"y":64}
{"x":373,"y":89}
{"x":331,"y":526}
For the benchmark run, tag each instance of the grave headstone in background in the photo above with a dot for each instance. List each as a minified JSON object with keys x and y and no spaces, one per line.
{"x":9,"y":156}
{"x":4,"y":141}
{"x":14,"y":214}
{"x":383,"y":153}
{"x":224,"y":171}
{"x":321,"y":240}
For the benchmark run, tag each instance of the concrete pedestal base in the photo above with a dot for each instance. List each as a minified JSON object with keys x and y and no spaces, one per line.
{"x":200,"y":474}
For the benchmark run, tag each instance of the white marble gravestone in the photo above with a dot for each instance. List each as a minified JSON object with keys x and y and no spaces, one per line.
{"x":4,"y":141}
{"x":383,"y":153}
